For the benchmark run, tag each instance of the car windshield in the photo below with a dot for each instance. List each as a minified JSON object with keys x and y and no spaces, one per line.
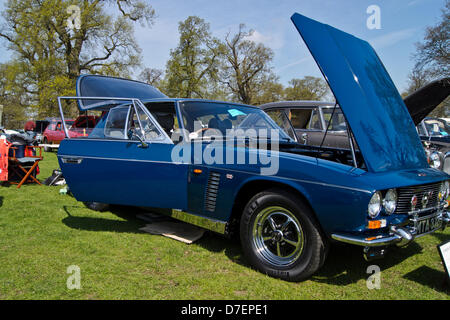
{"x":436,"y":127}
{"x":205,"y":119}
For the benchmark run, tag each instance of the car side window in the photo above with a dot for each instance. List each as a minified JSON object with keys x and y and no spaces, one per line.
{"x":115,"y":125}
{"x":279,"y":116}
{"x":314,"y":122}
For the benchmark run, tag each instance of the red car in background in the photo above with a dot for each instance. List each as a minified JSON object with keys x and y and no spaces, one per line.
{"x":81,"y":126}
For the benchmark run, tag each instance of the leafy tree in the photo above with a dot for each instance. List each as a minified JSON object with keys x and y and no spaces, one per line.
{"x":152,"y":76}
{"x":13,"y":98}
{"x":193,"y":65}
{"x":270,"y":91}
{"x":308,"y":88}
{"x":246,"y":69}
{"x":54,"y":41}
{"x":433,"y":53}
{"x":432,"y":59}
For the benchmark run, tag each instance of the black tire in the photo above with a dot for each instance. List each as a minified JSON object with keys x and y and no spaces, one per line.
{"x":296,"y":248}
{"x":97,"y":206}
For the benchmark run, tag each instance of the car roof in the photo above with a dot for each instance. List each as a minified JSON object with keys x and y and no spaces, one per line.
{"x":296,"y":104}
{"x":195,"y":100}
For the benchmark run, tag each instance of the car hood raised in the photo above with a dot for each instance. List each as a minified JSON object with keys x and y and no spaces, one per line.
{"x":424,"y":100}
{"x":101,"y":86}
{"x":374,"y":109}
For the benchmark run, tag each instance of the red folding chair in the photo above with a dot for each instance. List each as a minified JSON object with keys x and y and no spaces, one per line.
{"x":4,"y":150}
{"x":24,"y":169}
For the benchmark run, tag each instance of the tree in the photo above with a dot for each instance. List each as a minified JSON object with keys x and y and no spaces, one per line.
{"x":193,"y":65}
{"x":308,"y":88}
{"x":432,"y":60}
{"x":433,"y":53}
{"x":269,"y":91}
{"x":151,"y":76}
{"x":246,"y":69}
{"x":13,"y":98}
{"x":55,"y":41}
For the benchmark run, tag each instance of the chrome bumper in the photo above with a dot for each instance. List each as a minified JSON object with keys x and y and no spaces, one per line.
{"x":399,"y":236}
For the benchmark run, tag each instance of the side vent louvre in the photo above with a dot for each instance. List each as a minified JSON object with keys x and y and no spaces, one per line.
{"x":211,"y":191}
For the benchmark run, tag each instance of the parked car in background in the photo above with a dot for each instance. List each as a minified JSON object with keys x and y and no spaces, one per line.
{"x":434,"y":132}
{"x":307,"y":122}
{"x":148,"y":150}
{"x":80,"y":127}
{"x":41,"y":125}
{"x":447,"y":121}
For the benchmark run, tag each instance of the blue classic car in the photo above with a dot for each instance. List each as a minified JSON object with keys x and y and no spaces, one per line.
{"x":230,"y":168}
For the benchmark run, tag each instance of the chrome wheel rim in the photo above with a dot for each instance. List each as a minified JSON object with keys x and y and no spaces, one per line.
{"x":277,"y":236}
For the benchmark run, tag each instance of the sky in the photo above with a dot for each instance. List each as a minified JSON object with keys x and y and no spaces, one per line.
{"x":402,"y":25}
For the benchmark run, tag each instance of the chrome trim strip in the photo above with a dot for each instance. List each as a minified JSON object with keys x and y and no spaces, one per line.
{"x":419,"y":211}
{"x":292,"y":179}
{"x":203,"y":222}
{"x":398,"y":235}
{"x":119,"y":159}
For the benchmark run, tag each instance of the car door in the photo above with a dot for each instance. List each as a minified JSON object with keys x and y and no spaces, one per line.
{"x":307,"y":124}
{"x":116,"y":167}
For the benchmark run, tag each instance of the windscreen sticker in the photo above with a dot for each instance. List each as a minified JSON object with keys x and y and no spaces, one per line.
{"x":235,"y":113}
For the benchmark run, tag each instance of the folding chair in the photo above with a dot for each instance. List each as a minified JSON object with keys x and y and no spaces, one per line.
{"x":4,"y":150}
{"x":24,"y":169}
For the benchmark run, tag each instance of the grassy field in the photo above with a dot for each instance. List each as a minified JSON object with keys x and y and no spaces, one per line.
{"x":42,"y":233}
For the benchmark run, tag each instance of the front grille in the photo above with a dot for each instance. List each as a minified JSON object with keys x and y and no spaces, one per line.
{"x":211,"y":191}
{"x":405,"y":195}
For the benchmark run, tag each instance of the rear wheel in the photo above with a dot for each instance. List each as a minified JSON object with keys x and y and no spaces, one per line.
{"x":280,"y":236}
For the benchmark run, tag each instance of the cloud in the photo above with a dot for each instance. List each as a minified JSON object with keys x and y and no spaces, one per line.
{"x":295,"y":63}
{"x":274,"y":41}
{"x":392,"y":38}
{"x":414,"y":2}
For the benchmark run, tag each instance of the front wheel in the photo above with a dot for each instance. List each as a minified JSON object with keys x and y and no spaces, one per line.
{"x":280,"y":237}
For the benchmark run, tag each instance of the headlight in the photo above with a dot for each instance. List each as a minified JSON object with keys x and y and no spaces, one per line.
{"x":444,"y":191}
{"x":435,"y":160}
{"x":390,"y":201}
{"x":374,"y":207}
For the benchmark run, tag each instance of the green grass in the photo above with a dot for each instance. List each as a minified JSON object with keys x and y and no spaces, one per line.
{"x":42,"y":233}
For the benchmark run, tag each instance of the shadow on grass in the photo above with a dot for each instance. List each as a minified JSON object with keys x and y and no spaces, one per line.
{"x":1,"y":201}
{"x":429,"y":277}
{"x":130,"y":225}
{"x":217,"y":243}
{"x":344,"y":265}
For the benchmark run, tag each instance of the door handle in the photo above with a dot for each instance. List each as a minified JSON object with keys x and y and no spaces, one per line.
{"x":72,"y":160}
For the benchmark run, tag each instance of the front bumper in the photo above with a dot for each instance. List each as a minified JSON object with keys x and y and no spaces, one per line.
{"x":396,"y":235}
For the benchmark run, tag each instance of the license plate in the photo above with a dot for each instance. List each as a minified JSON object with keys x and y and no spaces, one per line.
{"x":427,"y":224}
